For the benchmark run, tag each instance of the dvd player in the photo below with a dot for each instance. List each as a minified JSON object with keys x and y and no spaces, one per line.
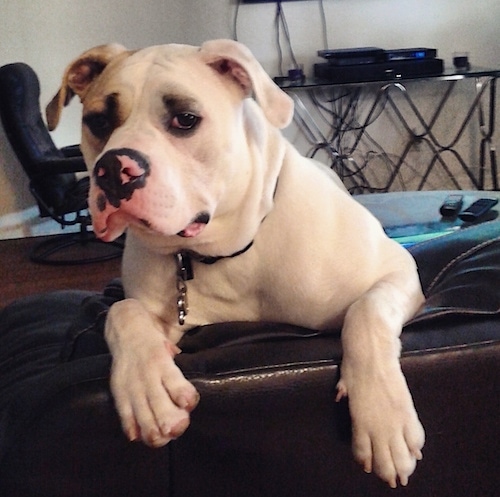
{"x":411,"y":54}
{"x":381,"y":71}
{"x":352,"y":56}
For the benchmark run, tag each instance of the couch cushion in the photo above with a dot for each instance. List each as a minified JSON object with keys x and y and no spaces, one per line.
{"x":57,"y":415}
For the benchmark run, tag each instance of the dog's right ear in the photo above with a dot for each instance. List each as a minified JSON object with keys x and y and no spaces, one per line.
{"x":233,"y":58}
{"x":78,"y":76}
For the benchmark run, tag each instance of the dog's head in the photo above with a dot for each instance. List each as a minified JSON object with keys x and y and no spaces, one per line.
{"x":170,"y":136}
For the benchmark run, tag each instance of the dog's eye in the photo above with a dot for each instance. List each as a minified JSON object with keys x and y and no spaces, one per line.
{"x":184,"y":121}
{"x":98,"y":124}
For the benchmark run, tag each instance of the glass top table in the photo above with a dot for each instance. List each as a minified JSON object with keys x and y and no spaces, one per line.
{"x":450,"y":142}
{"x":449,"y":74}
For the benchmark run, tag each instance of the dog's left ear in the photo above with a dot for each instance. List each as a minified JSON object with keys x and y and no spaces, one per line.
{"x":231,"y":57}
{"x":78,"y":76}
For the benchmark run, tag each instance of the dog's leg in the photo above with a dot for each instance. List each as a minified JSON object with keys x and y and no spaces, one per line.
{"x":387,"y":434}
{"x":151,"y":394}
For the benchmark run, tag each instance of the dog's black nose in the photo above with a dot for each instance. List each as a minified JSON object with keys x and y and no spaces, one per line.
{"x":119,"y":172}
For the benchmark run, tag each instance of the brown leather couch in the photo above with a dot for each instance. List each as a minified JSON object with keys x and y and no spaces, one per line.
{"x":267,"y":423}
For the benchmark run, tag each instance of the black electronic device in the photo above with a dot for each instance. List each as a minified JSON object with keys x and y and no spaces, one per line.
{"x":353,"y":56}
{"x":451,"y":205}
{"x":411,"y":53}
{"x":382,"y":71}
{"x":477,"y":209}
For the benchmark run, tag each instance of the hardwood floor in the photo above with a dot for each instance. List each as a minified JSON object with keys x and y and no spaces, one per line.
{"x":19,"y":276}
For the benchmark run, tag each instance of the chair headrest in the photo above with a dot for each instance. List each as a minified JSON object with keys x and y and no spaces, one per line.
{"x":21,"y":115}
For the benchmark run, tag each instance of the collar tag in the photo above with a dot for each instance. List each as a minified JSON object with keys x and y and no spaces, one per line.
{"x":184,"y":273}
{"x":184,"y":266}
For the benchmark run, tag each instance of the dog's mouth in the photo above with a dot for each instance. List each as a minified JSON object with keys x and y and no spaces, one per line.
{"x":195,"y":227}
{"x":117,"y":222}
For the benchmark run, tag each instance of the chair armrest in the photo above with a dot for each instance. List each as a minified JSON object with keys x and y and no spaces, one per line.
{"x":71,"y":151}
{"x":61,"y":166}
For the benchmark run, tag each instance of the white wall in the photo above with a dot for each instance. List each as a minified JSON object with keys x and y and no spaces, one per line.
{"x":449,"y":25}
{"x":48,"y":34}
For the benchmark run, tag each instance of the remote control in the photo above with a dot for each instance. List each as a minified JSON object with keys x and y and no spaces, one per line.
{"x":451,"y":205}
{"x":477,"y":209}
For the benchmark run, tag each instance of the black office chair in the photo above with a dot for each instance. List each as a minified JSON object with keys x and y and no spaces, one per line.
{"x":51,"y":171}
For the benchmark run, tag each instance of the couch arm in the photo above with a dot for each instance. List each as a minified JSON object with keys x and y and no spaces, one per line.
{"x":272,"y":428}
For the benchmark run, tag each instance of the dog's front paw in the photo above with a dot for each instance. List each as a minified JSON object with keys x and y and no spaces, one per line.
{"x":152,"y":396}
{"x":387,"y":434}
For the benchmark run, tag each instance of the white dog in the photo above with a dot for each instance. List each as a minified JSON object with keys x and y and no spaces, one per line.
{"x":185,"y":153}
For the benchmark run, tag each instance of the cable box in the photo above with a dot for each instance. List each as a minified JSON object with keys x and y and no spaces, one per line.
{"x":382,"y":71}
{"x":353,"y":56}
{"x":373,"y":55}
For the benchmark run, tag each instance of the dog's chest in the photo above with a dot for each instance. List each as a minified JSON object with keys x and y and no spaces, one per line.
{"x":241,"y":289}
{"x":223,"y":291}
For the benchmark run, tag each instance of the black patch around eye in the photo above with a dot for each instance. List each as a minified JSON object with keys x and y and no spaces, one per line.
{"x":101,"y":124}
{"x":98,"y":124}
{"x":181,"y":115}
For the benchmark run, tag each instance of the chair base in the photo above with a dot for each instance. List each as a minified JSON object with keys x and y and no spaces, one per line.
{"x":75,"y":249}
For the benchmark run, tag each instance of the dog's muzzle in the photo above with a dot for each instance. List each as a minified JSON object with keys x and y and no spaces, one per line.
{"x":118,"y":173}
